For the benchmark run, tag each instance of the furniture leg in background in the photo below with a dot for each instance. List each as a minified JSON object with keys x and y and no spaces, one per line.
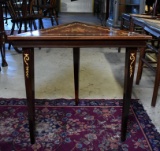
{"x":2,"y":37}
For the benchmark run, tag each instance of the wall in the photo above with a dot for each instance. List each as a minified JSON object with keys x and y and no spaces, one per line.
{"x":84,"y":6}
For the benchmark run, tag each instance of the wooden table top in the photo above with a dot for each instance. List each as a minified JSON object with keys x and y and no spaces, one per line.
{"x":78,"y":31}
{"x":155,"y":23}
{"x":144,"y":16}
{"x":152,"y":26}
{"x":129,"y":16}
{"x":146,"y":20}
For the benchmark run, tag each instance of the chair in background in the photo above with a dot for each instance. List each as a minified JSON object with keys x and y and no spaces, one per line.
{"x":150,"y":58}
{"x":22,"y":14}
{"x":48,"y":8}
{"x":126,"y":18}
{"x":5,"y":16}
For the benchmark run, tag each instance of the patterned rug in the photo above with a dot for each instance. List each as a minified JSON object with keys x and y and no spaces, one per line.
{"x":94,"y":125}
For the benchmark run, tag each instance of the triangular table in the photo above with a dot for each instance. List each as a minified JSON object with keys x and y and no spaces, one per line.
{"x":76,"y":35}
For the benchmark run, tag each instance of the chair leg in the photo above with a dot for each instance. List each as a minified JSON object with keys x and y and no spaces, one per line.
{"x":19,"y":31}
{"x":156,"y":83}
{"x":41,"y":26}
{"x":3,"y":55}
{"x":52,"y":21}
{"x":6,"y":15}
{"x":55,"y":16}
{"x":11,"y":33}
{"x":25,"y":26}
{"x":12,"y":30}
{"x":140,"y":65}
{"x":34,"y":24}
{"x":51,"y":14}
{"x":20,"y":28}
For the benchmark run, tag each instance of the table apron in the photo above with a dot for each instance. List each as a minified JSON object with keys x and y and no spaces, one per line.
{"x":78,"y":43}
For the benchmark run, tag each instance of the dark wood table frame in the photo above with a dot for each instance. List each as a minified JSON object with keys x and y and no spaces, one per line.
{"x":76,"y":35}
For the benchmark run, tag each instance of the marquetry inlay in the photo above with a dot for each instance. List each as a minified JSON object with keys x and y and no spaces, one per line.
{"x":82,"y":29}
{"x":26,"y":59}
{"x":132,"y":59}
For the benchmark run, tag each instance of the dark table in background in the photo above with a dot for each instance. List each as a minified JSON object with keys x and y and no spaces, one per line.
{"x":152,"y":27}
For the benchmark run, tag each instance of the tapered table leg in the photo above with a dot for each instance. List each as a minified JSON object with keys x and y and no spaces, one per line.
{"x":130,"y":60}
{"x":28,"y":60}
{"x":76,"y":62}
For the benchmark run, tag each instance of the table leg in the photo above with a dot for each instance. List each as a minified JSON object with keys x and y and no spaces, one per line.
{"x":130,"y":60}
{"x":157,"y":81}
{"x":140,"y":65}
{"x":76,"y":62}
{"x":28,"y":60}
